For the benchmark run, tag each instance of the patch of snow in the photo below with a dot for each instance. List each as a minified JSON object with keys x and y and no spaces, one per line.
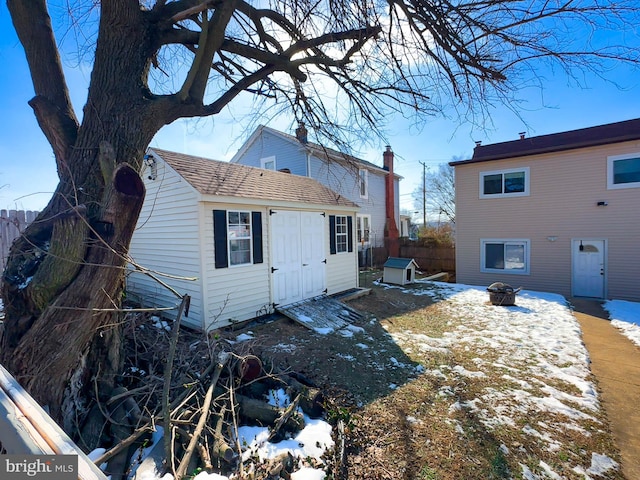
{"x":362,"y":346}
{"x":243,"y":337}
{"x":305,"y":319}
{"x":323,"y":330}
{"x":600,"y":464}
{"x":625,"y":316}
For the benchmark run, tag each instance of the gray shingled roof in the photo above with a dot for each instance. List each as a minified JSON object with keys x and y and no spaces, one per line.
{"x":556,"y":142}
{"x":213,"y":177}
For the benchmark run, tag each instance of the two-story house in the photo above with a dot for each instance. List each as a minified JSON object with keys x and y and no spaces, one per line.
{"x":557,"y":213}
{"x":374,"y":189}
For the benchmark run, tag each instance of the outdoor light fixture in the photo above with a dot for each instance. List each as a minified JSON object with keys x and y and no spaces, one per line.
{"x":552,"y":238}
{"x":150,"y":162}
{"x":602,"y":203}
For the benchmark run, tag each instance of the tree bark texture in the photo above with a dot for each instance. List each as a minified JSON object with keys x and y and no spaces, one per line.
{"x":65,"y":275}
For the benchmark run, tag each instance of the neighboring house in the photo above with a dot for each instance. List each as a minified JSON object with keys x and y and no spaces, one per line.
{"x":374,"y":189}
{"x":405,"y":226}
{"x":557,"y":213}
{"x":250,"y":238}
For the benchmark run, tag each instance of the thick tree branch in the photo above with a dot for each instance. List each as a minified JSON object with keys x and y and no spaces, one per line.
{"x":52,"y":104}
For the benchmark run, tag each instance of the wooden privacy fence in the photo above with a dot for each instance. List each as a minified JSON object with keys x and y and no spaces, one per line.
{"x":430,"y":259}
{"x":12,"y":223}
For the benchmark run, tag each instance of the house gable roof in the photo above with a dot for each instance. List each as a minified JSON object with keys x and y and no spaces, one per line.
{"x":213,"y":177}
{"x":556,"y":142}
{"x":313,"y":148}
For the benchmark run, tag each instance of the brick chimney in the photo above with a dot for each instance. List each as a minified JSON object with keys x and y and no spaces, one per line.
{"x":301,"y":133}
{"x":391,"y":234}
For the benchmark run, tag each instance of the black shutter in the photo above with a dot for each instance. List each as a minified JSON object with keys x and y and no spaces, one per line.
{"x":220,"y":238}
{"x":256,"y":227}
{"x":350,"y":233}
{"x":332,"y":234}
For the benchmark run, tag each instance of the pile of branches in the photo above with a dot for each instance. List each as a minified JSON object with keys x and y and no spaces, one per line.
{"x":199,"y":389}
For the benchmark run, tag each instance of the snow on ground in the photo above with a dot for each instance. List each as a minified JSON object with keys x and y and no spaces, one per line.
{"x":625,"y":316}
{"x":537,"y":345}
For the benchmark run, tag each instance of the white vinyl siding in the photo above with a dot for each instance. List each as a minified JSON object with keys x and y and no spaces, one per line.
{"x":504,"y":256}
{"x":623,"y":171}
{"x":504,"y":183}
{"x":166,"y":240}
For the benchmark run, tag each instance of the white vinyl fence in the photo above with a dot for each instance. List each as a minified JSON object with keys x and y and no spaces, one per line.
{"x":12,"y":223}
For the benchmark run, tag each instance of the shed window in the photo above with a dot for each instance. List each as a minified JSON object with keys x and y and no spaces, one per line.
{"x":237,"y":237}
{"x":505,"y":256}
{"x":340,"y":234}
{"x":504,"y":183}
{"x":623,"y":171}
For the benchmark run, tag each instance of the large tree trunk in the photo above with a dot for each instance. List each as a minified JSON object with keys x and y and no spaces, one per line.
{"x":65,"y":276}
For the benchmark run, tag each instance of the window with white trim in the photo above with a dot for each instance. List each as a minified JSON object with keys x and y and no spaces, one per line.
{"x":268,"y":163}
{"x":623,"y":171}
{"x":363,"y":182}
{"x":504,"y":256}
{"x":513,"y":182}
{"x":239,"y":237}
{"x":342,"y":235}
{"x":363,"y":227}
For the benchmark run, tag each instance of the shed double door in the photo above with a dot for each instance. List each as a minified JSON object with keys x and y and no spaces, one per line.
{"x":298,"y":261}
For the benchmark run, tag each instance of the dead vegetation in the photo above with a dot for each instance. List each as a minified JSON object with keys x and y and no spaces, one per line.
{"x":394,"y":416}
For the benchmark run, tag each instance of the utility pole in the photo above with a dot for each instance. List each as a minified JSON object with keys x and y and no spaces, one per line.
{"x":424,"y":194}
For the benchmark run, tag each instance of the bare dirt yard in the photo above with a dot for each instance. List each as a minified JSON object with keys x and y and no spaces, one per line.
{"x":430,"y":389}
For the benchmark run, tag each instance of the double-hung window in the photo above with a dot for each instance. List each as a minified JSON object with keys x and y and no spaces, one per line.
{"x":363,"y":228}
{"x":513,"y":182}
{"x":342,"y":236}
{"x":504,"y":256}
{"x":239,"y":237}
{"x":363,"y":182}
{"x":623,"y":171}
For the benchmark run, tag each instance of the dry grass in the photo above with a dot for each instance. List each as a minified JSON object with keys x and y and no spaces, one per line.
{"x":414,"y":433}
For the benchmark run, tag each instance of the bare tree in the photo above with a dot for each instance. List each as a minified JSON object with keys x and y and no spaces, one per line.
{"x":438,"y":193}
{"x":325,"y":62}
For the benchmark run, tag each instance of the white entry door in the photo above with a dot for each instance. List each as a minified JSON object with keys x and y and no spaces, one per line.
{"x":588,"y":268}
{"x":297,"y":257}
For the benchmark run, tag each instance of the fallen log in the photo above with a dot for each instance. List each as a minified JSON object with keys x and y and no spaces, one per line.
{"x":311,"y":398}
{"x":265,"y":414}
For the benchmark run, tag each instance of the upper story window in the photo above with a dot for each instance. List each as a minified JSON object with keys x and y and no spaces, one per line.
{"x":623,"y":171}
{"x":504,"y":256}
{"x":268,"y":163}
{"x":239,"y":237}
{"x":363,"y":182}
{"x":513,"y":182}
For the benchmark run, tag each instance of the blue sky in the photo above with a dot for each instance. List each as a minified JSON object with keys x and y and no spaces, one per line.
{"x":27,"y":166}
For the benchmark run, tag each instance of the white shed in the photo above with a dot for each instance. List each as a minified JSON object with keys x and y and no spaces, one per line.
{"x":399,"y":271}
{"x":239,"y":240}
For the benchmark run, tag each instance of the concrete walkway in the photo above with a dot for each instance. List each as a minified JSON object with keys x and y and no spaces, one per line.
{"x":615,"y":362}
